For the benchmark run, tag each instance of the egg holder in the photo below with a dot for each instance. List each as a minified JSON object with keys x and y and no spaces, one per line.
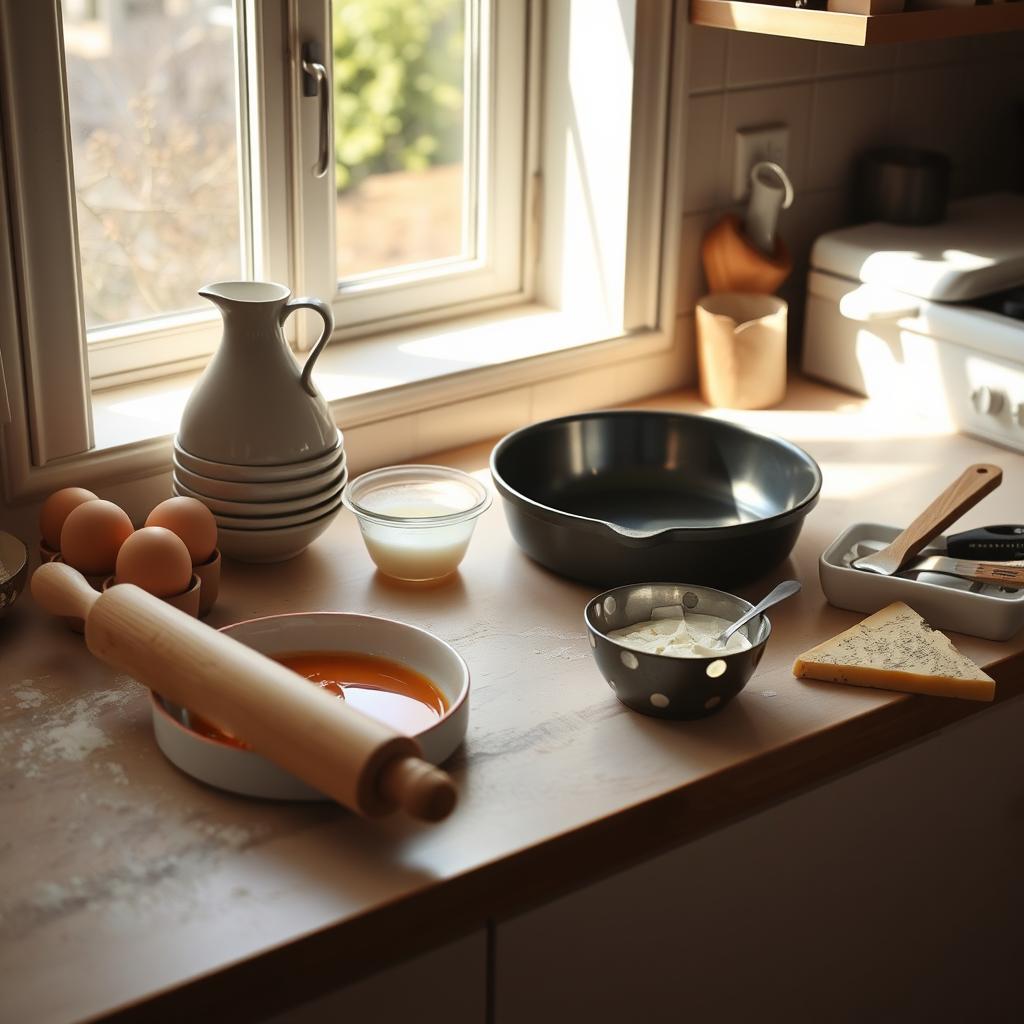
{"x":196,"y":600}
{"x":209,"y":579}
{"x":187,"y":601}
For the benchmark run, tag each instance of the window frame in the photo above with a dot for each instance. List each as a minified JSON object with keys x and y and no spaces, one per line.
{"x":647,"y":347}
{"x":43,"y":233}
{"x":285,"y":210}
{"x":170,"y":343}
{"x":403,"y":296}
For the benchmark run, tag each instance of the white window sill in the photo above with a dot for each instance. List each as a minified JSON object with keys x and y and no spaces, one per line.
{"x":386,"y":377}
{"x":372,"y":378}
{"x":399,"y":397}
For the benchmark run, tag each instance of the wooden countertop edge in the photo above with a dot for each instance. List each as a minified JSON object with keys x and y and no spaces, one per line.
{"x":319,"y":963}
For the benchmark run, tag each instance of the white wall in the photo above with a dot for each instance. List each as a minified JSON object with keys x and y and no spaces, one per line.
{"x":957,"y":96}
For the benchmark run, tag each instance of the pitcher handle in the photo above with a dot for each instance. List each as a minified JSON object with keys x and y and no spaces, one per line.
{"x":325,"y":311}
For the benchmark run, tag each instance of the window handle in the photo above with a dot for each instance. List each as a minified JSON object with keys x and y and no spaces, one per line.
{"x":314,"y":83}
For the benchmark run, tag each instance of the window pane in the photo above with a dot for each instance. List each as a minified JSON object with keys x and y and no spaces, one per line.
{"x":399,"y":136}
{"x":153,"y":100}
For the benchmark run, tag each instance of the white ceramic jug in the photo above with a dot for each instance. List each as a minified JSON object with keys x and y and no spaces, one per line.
{"x":253,"y":405}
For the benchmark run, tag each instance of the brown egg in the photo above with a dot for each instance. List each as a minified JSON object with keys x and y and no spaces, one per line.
{"x":93,"y":534}
{"x":156,"y":560}
{"x":56,"y":509}
{"x":192,"y":521}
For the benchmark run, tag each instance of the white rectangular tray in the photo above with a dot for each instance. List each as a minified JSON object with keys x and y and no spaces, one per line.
{"x":985,"y":610}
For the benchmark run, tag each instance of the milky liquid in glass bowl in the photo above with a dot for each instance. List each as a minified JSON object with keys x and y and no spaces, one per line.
{"x":416,"y":521}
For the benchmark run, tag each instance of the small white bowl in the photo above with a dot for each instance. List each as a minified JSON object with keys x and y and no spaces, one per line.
{"x":257,"y":474}
{"x":218,"y":506}
{"x":275,"y":545}
{"x":243,"y":771}
{"x":416,"y":521}
{"x":276,"y":522}
{"x":276,"y":490}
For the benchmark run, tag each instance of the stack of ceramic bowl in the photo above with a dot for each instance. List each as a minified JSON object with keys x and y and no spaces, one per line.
{"x":265,"y":513}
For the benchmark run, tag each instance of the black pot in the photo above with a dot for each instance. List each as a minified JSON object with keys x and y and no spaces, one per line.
{"x":900,"y":185}
{"x":610,"y":498}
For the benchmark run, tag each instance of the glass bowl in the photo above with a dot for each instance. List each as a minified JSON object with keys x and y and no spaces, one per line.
{"x":416,"y":521}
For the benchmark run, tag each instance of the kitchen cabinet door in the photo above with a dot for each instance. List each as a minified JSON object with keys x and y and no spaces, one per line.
{"x":894,"y":893}
{"x":448,"y":985}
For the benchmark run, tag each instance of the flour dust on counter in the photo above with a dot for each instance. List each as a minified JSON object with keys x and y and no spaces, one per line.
{"x":51,"y":733}
{"x":895,"y":649}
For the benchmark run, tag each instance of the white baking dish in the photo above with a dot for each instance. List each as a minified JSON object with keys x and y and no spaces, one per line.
{"x":983,"y":610}
{"x":244,"y":771}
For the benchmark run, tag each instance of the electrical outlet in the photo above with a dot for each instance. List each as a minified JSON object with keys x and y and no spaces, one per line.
{"x":764,"y":142}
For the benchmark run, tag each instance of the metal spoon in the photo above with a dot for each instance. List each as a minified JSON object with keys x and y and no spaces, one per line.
{"x":785,"y":589}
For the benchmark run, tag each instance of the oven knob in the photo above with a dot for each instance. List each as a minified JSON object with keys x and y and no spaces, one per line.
{"x":986,"y":401}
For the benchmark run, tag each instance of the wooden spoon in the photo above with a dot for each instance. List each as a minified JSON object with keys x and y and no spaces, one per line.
{"x":965,"y":492}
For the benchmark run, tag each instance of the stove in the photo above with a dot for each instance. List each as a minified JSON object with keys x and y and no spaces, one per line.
{"x":928,"y":318}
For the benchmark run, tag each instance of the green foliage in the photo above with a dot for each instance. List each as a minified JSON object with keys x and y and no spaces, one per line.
{"x":398,"y":85}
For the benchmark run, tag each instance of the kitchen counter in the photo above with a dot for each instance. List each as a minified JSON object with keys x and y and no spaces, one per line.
{"x":126,"y":886}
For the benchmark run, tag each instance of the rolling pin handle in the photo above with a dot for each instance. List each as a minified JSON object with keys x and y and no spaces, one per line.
{"x":61,"y":590}
{"x":419,"y":788}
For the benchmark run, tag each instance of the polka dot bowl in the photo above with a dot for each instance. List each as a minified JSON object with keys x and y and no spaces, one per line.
{"x":660,"y":685}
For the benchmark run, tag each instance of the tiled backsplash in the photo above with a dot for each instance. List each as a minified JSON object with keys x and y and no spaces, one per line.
{"x":958,"y":96}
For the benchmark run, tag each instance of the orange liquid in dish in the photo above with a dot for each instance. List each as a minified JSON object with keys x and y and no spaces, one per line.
{"x":383,"y":689}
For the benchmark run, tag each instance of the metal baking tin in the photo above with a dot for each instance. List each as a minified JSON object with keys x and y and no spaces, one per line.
{"x":621,"y":497}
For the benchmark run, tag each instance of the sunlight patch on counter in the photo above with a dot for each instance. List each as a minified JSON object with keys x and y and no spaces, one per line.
{"x":844,"y":481}
{"x":870,"y":421}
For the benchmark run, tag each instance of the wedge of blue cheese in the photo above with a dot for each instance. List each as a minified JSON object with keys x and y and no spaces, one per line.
{"x":895,"y":649}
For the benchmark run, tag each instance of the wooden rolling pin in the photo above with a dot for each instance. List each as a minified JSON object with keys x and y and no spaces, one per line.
{"x":360,"y":762}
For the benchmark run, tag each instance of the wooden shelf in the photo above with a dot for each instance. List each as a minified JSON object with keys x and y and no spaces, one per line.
{"x":857,"y":29}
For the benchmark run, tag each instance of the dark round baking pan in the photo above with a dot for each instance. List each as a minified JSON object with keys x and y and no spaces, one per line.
{"x":611,"y":498}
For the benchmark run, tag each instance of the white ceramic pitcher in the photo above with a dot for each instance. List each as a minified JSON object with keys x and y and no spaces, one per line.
{"x":253,"y":405}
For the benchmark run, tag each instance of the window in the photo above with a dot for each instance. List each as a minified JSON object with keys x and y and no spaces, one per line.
{"x":422,"y":209}
{"x":159,"y":151}
{"x":156,"y":152}
{"x":405,"y":83}
{"x":407,"y":160}
{"x":419,"y":208}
